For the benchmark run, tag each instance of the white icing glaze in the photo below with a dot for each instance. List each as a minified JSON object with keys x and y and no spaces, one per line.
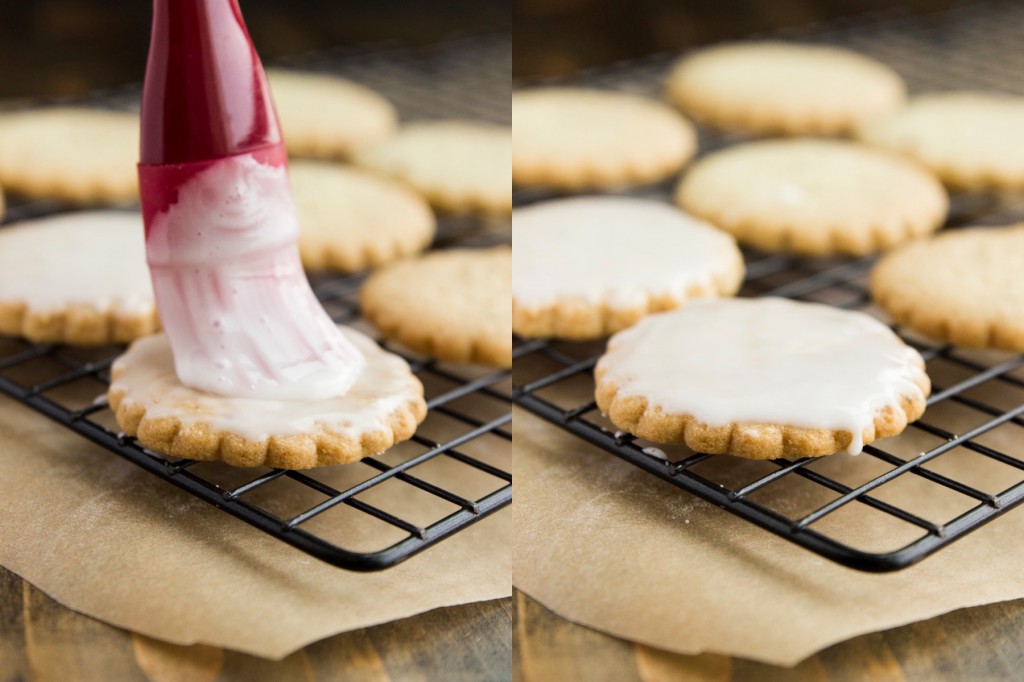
{"x":766,"y":361}
{"x":613,"y":250}
{"x":94,"y":258}
{"x":146,"y":375}
{"x":232,"y":295}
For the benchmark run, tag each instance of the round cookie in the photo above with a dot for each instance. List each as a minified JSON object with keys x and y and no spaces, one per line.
{"x":784,"y":88}
{"x":72,"y":153}
{"x":573,"y":139}
{"x":972,"y":140}
{"x":761,"y":378}
{"x":383,"y":407}
{"x":352,"y":220}
{"x":814,"y":197}
{"x":586,"y":267}
{"x":962,"y":287}
{"x":459,"y":166}
{"x":452,"y":305}
{"x":78,"y":278}
{"x":328,"y":117}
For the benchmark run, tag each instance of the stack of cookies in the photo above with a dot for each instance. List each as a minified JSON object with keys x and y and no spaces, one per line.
{"x":831,"y":158}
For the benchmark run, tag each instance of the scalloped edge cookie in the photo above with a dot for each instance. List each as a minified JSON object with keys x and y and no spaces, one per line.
{"x":184,"y":433}
{"x":572,"y":316}
{"x":328,"y":117}
{"x":696,"y":86}
{"x":352,"y":220}
{"x":459,"y":166}
{"x":449,"y":304}
{"x":942,"y":131}
{"x":77,"y":154}
{"x":854,"y":227}
{"x":72,"y":314}
{"x":981,"y":301}
{"x":649,"y":142}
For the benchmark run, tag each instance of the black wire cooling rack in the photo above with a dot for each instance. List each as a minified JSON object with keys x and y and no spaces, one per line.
{"x":452,"y":473}
{"x":962,"y":464}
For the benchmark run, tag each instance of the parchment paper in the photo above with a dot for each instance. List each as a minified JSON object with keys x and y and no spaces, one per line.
{"x":108,"y":539}
{"x":607,"y":545}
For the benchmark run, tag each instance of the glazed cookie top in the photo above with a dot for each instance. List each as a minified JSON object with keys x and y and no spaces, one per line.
{"x":766,"y":361}
{"x":779,"y":87}
{"x":814,"y":196}
{"x":616,"y":251}
{"x":971,"y":139}
{"x":459,"y":166}
{"x":145,"y":376}
{"x":326,"y":116}
{"x":574,"y":137}
{"x":93,"y":258}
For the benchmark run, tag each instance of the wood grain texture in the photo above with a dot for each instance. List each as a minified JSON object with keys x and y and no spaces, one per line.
{"x":42,"y":641}
{"x":984,"y":644}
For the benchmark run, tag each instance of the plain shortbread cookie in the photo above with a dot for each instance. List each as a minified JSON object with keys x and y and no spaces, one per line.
{"x":72,"y":153}
{"x":787,"y":88}
{"x":972,"y":140}
{"x":590,"y":266}
{"x":459,"y":166}
{"x":352,"y":220}
{"x":574,"y":138}
{"x":384,"y":406}
{"x":963,"y":287}
{"x":814,"y":197}
{"x":452,"y":305}
{"x":761,"y":378}
{"x":78,"y":278}
{"x":324,"y":116}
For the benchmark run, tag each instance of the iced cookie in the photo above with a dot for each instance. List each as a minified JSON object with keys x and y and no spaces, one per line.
{"x":382,"y":407}
{"x":963,"y":287}
{"x":815,"y":197}
{"x":572,"y":138}
{"x":75,"y":154}
{"x":784,"y":88}
{"x":761,"y":378}
{"x":78,"y":278}
{"x":586,"y":267}
{"x":352,"y":220}
{"x":972,"y":140}
{"x":328,"y":117}
{"x":451,"y":305}
{"x":459,"y":166}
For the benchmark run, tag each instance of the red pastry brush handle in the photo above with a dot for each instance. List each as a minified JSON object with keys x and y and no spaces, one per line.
{"x":205,"y":95}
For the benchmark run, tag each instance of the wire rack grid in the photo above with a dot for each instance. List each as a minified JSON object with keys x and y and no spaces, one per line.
{"x":451,"y":474}
{"x":904,"y":498}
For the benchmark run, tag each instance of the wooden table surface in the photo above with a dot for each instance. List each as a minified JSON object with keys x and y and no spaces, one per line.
{"x":981,"y":644}
{"x":41,"y":641}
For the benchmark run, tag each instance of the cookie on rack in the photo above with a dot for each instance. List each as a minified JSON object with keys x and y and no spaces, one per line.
{"x":761,"y":378}
{"x":962,"y":287}
{"x":75,"y":154}
{"x":383,"y":407}
{"x":774,"y":87}
{"x":972,"y":140}
{"x":77,"y":278}
{"x":575,"y":139}
{"x":459,"y":166}
{"x":451,"y":305}
{"x":352,"y":220}
{"x":814,"y":197}
{"x":328,"y":117}
{"x":586,"y":267}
